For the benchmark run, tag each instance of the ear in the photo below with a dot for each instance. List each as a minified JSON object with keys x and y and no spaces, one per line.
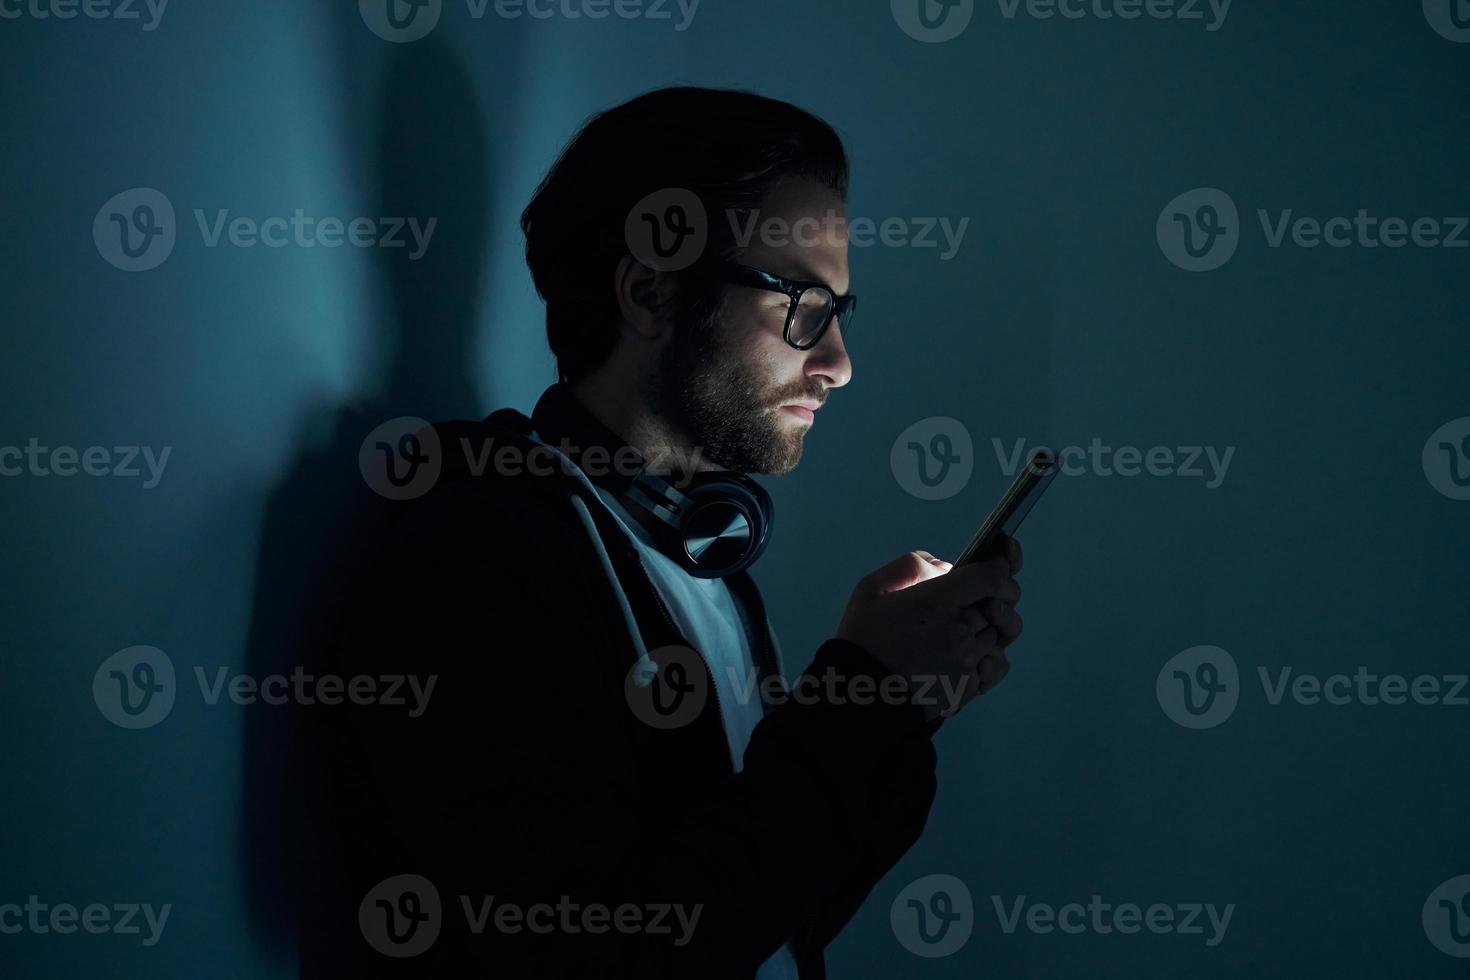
{"x":644,"y":297}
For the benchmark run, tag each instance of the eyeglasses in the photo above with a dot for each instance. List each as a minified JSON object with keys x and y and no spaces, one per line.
{"x":813,"y":304}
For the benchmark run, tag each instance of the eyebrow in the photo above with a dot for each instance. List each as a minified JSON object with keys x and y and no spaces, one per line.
{"x":800,"y":273}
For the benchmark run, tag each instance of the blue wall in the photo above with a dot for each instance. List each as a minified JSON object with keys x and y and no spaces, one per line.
{"x":1328,"y":546}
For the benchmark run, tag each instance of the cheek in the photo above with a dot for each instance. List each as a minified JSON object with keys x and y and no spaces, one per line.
{"x":757,"y":313}
{"x":756,"y":352}
{"x":753,"y":330}
{"x":758,"y":373}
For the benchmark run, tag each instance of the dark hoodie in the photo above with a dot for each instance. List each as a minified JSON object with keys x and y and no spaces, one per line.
{"x":528,"y":778}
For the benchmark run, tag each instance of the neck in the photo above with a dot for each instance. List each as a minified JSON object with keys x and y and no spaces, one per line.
{"x":619,"y":404}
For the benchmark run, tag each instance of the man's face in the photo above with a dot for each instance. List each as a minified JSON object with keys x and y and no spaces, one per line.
{"x":725,"y":384}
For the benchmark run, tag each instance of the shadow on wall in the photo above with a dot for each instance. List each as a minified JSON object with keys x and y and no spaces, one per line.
{"x":432,"y":161}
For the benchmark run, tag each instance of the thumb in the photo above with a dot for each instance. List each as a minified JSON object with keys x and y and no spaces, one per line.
{"x":909,"y":568}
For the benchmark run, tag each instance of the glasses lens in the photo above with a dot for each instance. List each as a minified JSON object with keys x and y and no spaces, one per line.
{"x":812,"y":312}
{"x":845,"y":315}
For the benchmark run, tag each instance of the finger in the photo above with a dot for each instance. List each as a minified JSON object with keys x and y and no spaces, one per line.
{"x":1017,"y":624}
{"x":902,"y":572}
{"x":934,"y":561}
{"x":967,"y":622}
{"x":1009,"y":591}
{"x":967,"y":584}
{"x":992,"y":671}
{"x":986,"y":643}
{"x":1013,"y":554}
{"x":1003,"y":616}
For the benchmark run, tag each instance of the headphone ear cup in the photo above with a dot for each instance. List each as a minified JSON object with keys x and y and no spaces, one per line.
{"x":725,"y":526}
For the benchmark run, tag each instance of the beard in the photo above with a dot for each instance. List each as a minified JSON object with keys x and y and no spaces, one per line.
{"x":723,"y":404}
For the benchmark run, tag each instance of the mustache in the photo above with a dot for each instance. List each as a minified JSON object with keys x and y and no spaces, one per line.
{"x":819,"y":396}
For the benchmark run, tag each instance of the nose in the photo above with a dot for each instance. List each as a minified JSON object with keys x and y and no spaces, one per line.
{"x":828,"y":359}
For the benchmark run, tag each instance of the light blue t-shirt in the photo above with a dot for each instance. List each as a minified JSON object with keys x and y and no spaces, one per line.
{"x":704,"y":611}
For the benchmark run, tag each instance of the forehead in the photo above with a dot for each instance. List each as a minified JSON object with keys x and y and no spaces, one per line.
{"x":800,"y":232}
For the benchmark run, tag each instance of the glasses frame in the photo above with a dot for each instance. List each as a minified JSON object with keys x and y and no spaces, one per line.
{"x":744,"y":275}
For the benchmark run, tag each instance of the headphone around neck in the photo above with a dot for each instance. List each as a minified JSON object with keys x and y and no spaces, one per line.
{"x":716,"y":525}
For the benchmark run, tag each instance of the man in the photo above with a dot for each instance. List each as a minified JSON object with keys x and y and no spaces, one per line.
{"x":556,"y":810}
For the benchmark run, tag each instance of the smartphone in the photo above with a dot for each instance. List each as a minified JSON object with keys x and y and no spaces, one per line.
{"x":1015,"y":504}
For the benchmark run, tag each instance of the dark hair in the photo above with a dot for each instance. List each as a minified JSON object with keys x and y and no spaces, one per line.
{"x":728,"y":147}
